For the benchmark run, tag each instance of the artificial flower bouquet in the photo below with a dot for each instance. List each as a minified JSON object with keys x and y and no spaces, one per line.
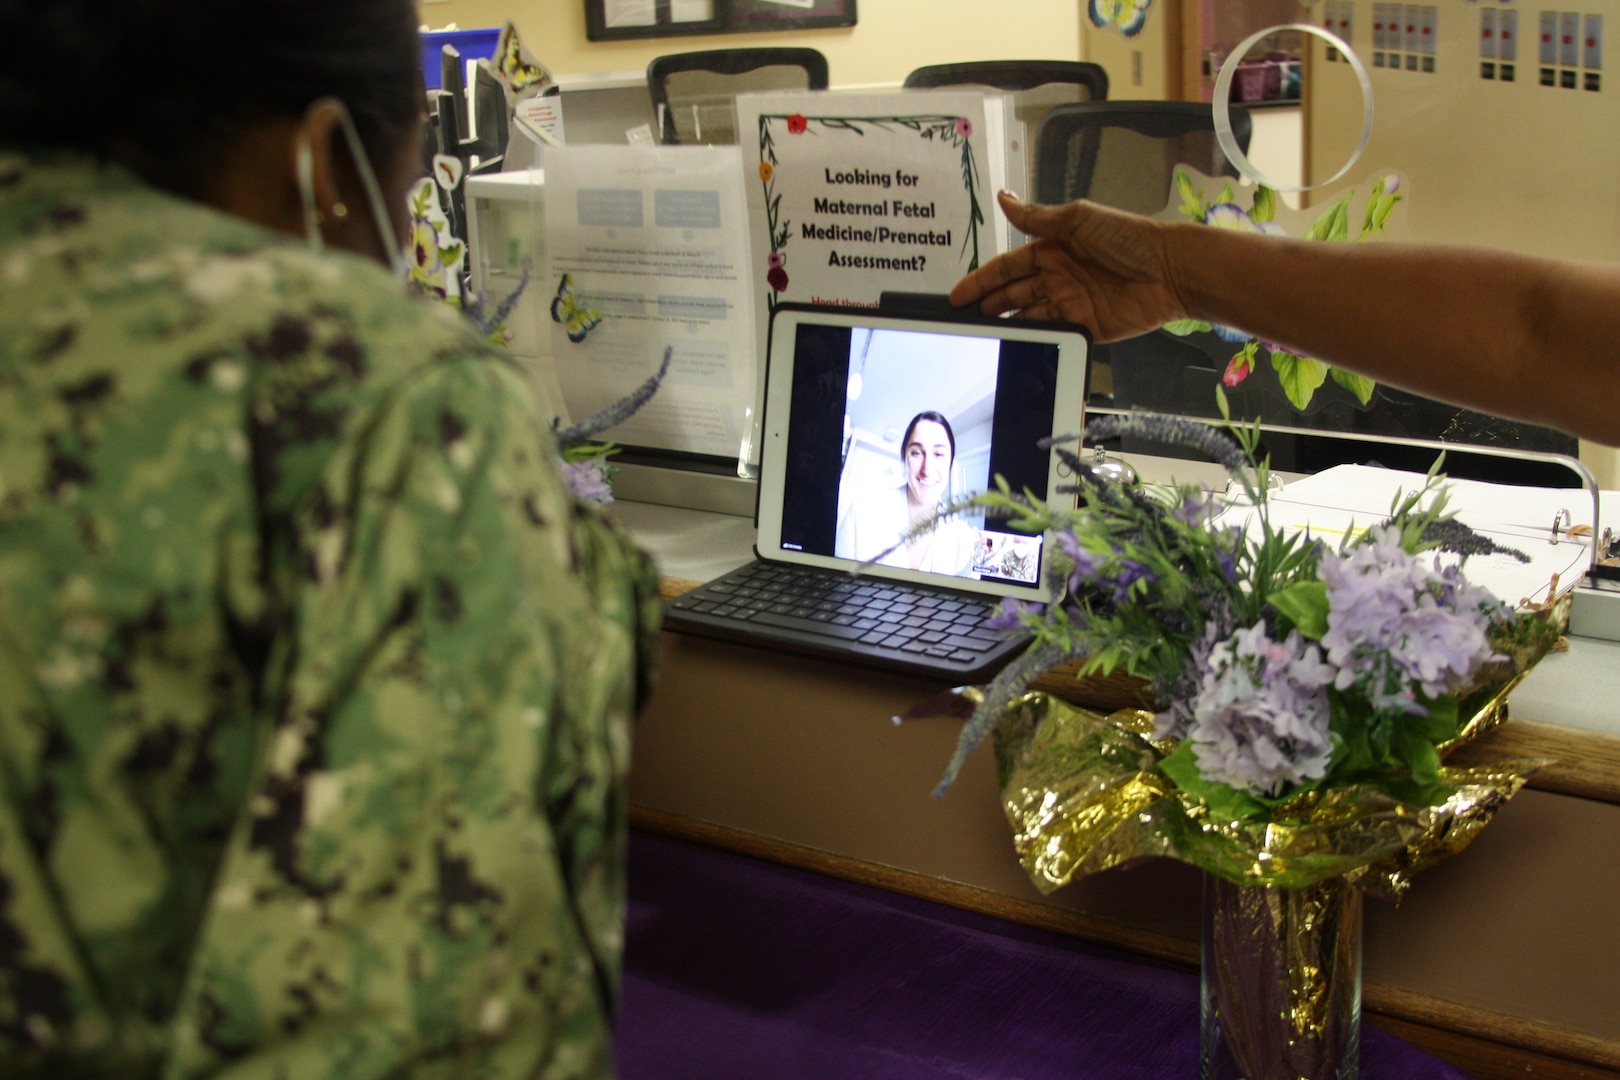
{"x":1303,"y":697}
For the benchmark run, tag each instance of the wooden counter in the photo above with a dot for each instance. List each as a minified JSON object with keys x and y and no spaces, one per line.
{"x":1504,"y":960}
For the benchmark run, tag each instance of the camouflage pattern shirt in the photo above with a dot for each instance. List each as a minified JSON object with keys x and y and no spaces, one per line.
{"x":315,"y":684}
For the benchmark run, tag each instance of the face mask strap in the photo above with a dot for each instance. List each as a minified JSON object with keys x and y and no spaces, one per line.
{"x":381,"y":219}
{"x":305,"y":169}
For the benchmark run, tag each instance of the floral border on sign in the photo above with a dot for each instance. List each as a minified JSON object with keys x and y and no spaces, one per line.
{"x":954,"y":131}
{"x":1300,"y":376}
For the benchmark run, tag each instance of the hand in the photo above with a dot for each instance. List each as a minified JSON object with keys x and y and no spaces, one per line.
{"x":1102,"y":268}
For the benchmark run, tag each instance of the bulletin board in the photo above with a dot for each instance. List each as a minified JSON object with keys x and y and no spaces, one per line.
{"x":617,"y":20}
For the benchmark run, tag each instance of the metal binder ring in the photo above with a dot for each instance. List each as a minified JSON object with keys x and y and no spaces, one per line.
{"x":1223,"y":109}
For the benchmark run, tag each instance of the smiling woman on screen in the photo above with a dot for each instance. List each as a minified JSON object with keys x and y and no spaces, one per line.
{"x":877,"y":518}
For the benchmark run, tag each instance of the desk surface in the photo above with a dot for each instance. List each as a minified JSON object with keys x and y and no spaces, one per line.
{"x":794,"y":759}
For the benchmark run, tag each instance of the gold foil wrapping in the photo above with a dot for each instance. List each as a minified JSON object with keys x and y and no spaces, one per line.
{"x":1083,"y":793}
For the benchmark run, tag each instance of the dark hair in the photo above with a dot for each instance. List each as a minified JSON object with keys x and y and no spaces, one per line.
{"x":938,"y":418}
{"x":165,"y":84}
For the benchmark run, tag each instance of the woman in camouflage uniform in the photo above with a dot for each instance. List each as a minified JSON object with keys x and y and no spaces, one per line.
{"x":315,"y":685}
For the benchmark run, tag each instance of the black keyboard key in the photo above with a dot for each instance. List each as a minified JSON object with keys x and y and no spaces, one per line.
{"x":872,"y":637}
{"x":964,"y":657}
{"x":864,"y":624}
{"x":809,"y":626}
{"x":932,"y":637}
{"x":937,"y":624}
{"x":916,"y":647}
{"x":937,"y":650}
{"x":893,"y":641}
{"x":968,"y":644}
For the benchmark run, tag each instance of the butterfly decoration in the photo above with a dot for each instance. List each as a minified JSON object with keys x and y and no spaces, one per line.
{"x":577,"y":318}
{"x":1128,"y":15}
{"x":523,"y":75}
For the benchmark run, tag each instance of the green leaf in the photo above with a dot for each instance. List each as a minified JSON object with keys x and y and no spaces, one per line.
{"x":1305,"y":604}
{"x":1222,"y":404}
{"x":1226,"y":193}
{"x":1183,"y":327}
{"x":1386,"y":203}
{"x":1300,"y":377}
{"x":1265,"y":205}
{"x":1418,"y":755}
{"x":1192,"y":202}
{"x":1441,"y":723}
{"x":1333,"y":223}
{"x":1358,"y":385}
{"x":1369,"y":218}
{"x":1225,"y":803}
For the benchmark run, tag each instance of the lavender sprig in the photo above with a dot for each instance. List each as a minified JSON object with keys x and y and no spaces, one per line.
{"x":1453,"y":536}
{"x":618,"y":412}
{"x":489,"y":324}
{"x":1013,"y":680}
{"x":1174,"y":430}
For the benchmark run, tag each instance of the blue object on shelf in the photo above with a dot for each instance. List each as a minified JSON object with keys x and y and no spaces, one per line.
{"x":472,"y":44}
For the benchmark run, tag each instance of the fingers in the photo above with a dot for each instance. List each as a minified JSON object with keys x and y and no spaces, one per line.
{"x":1036,"y":220}
{"x":996,"y":274}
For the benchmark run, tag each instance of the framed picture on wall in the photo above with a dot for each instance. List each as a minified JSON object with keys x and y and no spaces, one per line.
{"x":615,"y":20}
{"x":745,"y":15}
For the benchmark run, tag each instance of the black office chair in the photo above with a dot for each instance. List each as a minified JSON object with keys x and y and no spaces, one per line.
{"x":1124,"y":153}
{"x":1037,"y":86}
{"x":694,"y":94}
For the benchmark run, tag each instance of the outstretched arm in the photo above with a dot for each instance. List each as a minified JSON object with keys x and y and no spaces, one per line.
{"x":1530,"y":338}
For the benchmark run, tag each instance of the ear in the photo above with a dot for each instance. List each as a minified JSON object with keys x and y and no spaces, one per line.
{"x":315,"y":139}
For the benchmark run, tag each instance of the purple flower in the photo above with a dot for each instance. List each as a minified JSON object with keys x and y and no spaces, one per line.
{"x":964,"y":126}
{"x":773,"y":260}
{"x":1259,"y":721}
{"x":1397,"y":626}
{"x":1194,"y":511}
{"x":1086,"y":565}
{"x":1009,"y":616}
{"x":1130,"y":572}
{"x":589,"y":481}
{"x":776,"y":278}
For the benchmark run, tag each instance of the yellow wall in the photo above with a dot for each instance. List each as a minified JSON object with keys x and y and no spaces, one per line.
{"x":891,"y":38}
{"x":1510,"y":165}
{"x":1515,"y":165}
{"x":1140,"y":68}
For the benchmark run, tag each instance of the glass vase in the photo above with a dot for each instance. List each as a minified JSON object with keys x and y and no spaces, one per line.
{"x":1281,"y":987}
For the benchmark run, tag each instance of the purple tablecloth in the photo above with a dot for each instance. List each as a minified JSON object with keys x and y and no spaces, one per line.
{"x":738,"y":969}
